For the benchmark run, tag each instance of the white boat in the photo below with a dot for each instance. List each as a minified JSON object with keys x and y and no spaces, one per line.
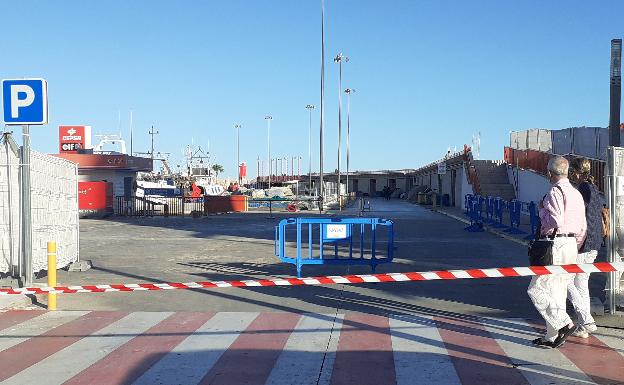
{"x":208,"y":184}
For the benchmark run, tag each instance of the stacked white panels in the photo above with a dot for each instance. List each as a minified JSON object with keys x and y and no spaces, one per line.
{"x":562,"y":141}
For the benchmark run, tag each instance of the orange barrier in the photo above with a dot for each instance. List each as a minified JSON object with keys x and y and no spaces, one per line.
{"x":225,"y":204}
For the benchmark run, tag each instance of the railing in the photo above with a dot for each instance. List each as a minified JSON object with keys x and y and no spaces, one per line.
{"x":134,"y":206}
{"x":285,"y":204}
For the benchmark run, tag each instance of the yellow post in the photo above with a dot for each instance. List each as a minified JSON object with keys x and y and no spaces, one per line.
{"x":52,"y":274}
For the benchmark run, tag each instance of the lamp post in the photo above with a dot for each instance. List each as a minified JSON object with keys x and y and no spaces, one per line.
{"x":339,"y":59}
{"x":268,"y":119}
{"x":238,"y":126}
{"x":310,"y":107}
{"x":322,"y":121}
{"x":348,"y":91}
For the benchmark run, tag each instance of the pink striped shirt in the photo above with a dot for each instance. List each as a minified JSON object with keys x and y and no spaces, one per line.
{"x":568,"y":220}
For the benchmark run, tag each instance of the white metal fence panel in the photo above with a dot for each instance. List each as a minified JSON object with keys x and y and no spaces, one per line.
{"x":54,"y":189}
{"x":9,"y":209}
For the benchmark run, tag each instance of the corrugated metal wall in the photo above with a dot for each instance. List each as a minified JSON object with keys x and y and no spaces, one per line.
{"x":54,"y":189}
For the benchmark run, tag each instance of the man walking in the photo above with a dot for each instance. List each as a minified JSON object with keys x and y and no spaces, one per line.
{"x":562,"y":214}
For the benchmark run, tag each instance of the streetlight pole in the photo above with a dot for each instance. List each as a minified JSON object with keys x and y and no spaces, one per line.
{"x":339,"y":59}
{"x":310,"y":107}
{"x":238,"y":126}
{"x":348,"y":91}
{"x":322,"y":122}
{"x":268,"y":119}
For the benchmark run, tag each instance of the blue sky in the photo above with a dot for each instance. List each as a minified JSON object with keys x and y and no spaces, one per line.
{"x":428,"y":74}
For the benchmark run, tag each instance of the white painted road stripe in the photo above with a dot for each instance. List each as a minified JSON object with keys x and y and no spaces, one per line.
{"x":611,"y":337}
{"x":538,"y":366}
{"x":301,"y":361}
{"x":189,"y":362}
{"x":65,"y":364}
{"x":328,"y":365}
{"x":36,"y":326}
{"x":420,"y":356}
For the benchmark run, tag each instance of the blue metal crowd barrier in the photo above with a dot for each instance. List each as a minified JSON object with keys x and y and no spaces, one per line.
{"x":349,"y":233}
{"x":499,"y":206}
{"x":535,"y":220}
{"x":515,"y":210}
{"x":489,"y":205}
{"x":474,"y":211}
{"x":467,"y":200}
{"x":492,"y":210}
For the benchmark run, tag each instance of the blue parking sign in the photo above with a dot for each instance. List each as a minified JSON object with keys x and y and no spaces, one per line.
{"x":25,"y":101}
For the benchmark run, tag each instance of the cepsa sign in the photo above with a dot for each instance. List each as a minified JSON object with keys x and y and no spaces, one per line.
{"x":74,"y":138}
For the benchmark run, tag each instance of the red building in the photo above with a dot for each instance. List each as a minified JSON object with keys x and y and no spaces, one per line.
{"x":102,"y":175}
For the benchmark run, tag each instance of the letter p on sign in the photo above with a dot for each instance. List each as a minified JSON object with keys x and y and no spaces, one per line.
{"x":25,"y":101}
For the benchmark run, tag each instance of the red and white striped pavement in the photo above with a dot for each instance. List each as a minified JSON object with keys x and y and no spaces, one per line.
{"x":110,"y":347}
{"x":598,"y":267}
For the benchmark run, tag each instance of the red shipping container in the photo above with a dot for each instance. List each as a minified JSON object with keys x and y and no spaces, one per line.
{"x":95,"y":196}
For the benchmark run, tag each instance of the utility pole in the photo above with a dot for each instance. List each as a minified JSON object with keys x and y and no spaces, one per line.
{"x":131,"y":135}
{"x":268,"y":119}
{"x":614,"y":141}
{"x":238,"y":126}
{"x":322,"y":124}
{"x":152,"y":133}
{"x":348,"y":91}
{"x":615,"y":92}
{"x":310,"y":107}
{"x":339,"y":59}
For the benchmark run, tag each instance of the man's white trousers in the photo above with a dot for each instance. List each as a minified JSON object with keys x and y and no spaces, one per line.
{"x":548,"y":292}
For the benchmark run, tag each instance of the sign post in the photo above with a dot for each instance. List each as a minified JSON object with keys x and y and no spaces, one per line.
{"x":25,"y":103}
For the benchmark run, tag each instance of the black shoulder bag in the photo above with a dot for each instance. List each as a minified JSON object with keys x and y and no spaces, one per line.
{"x":540,"y":250}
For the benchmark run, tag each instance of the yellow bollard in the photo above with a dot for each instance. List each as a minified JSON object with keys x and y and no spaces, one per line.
{"x":52,"y":274}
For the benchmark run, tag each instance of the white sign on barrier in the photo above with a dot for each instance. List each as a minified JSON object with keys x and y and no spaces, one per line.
{"x":441,"y":168}
{"x":336,"y":231}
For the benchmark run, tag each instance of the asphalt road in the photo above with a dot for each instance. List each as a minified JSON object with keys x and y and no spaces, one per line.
{"x":238,"y":246}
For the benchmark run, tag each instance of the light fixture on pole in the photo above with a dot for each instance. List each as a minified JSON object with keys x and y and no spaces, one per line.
{"x":310,"y":107}
{"x":339,"y":59}
{"x":238,"y":126}
{"x":348,"y":91}
{"x":268,"y":119}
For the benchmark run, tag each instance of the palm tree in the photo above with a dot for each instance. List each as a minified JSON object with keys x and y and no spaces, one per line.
{"x":217,"y":168}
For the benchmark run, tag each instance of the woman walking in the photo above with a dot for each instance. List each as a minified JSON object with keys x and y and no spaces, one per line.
{"x":578,"y":288}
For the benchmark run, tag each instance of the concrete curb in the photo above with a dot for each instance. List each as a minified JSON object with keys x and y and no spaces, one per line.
{"x":7,"y":303}
{"x":486,"y":228}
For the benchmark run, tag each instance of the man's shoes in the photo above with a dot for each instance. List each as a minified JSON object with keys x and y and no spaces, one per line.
{"x":590,"y":328}
{"x":564,"y":333}
{"x":542,"y":342}
{"x":585,"y":330}
{"x":581,"y":333}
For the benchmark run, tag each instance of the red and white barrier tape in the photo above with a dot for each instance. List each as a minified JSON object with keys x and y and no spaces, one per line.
{"x":600,"y":267}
